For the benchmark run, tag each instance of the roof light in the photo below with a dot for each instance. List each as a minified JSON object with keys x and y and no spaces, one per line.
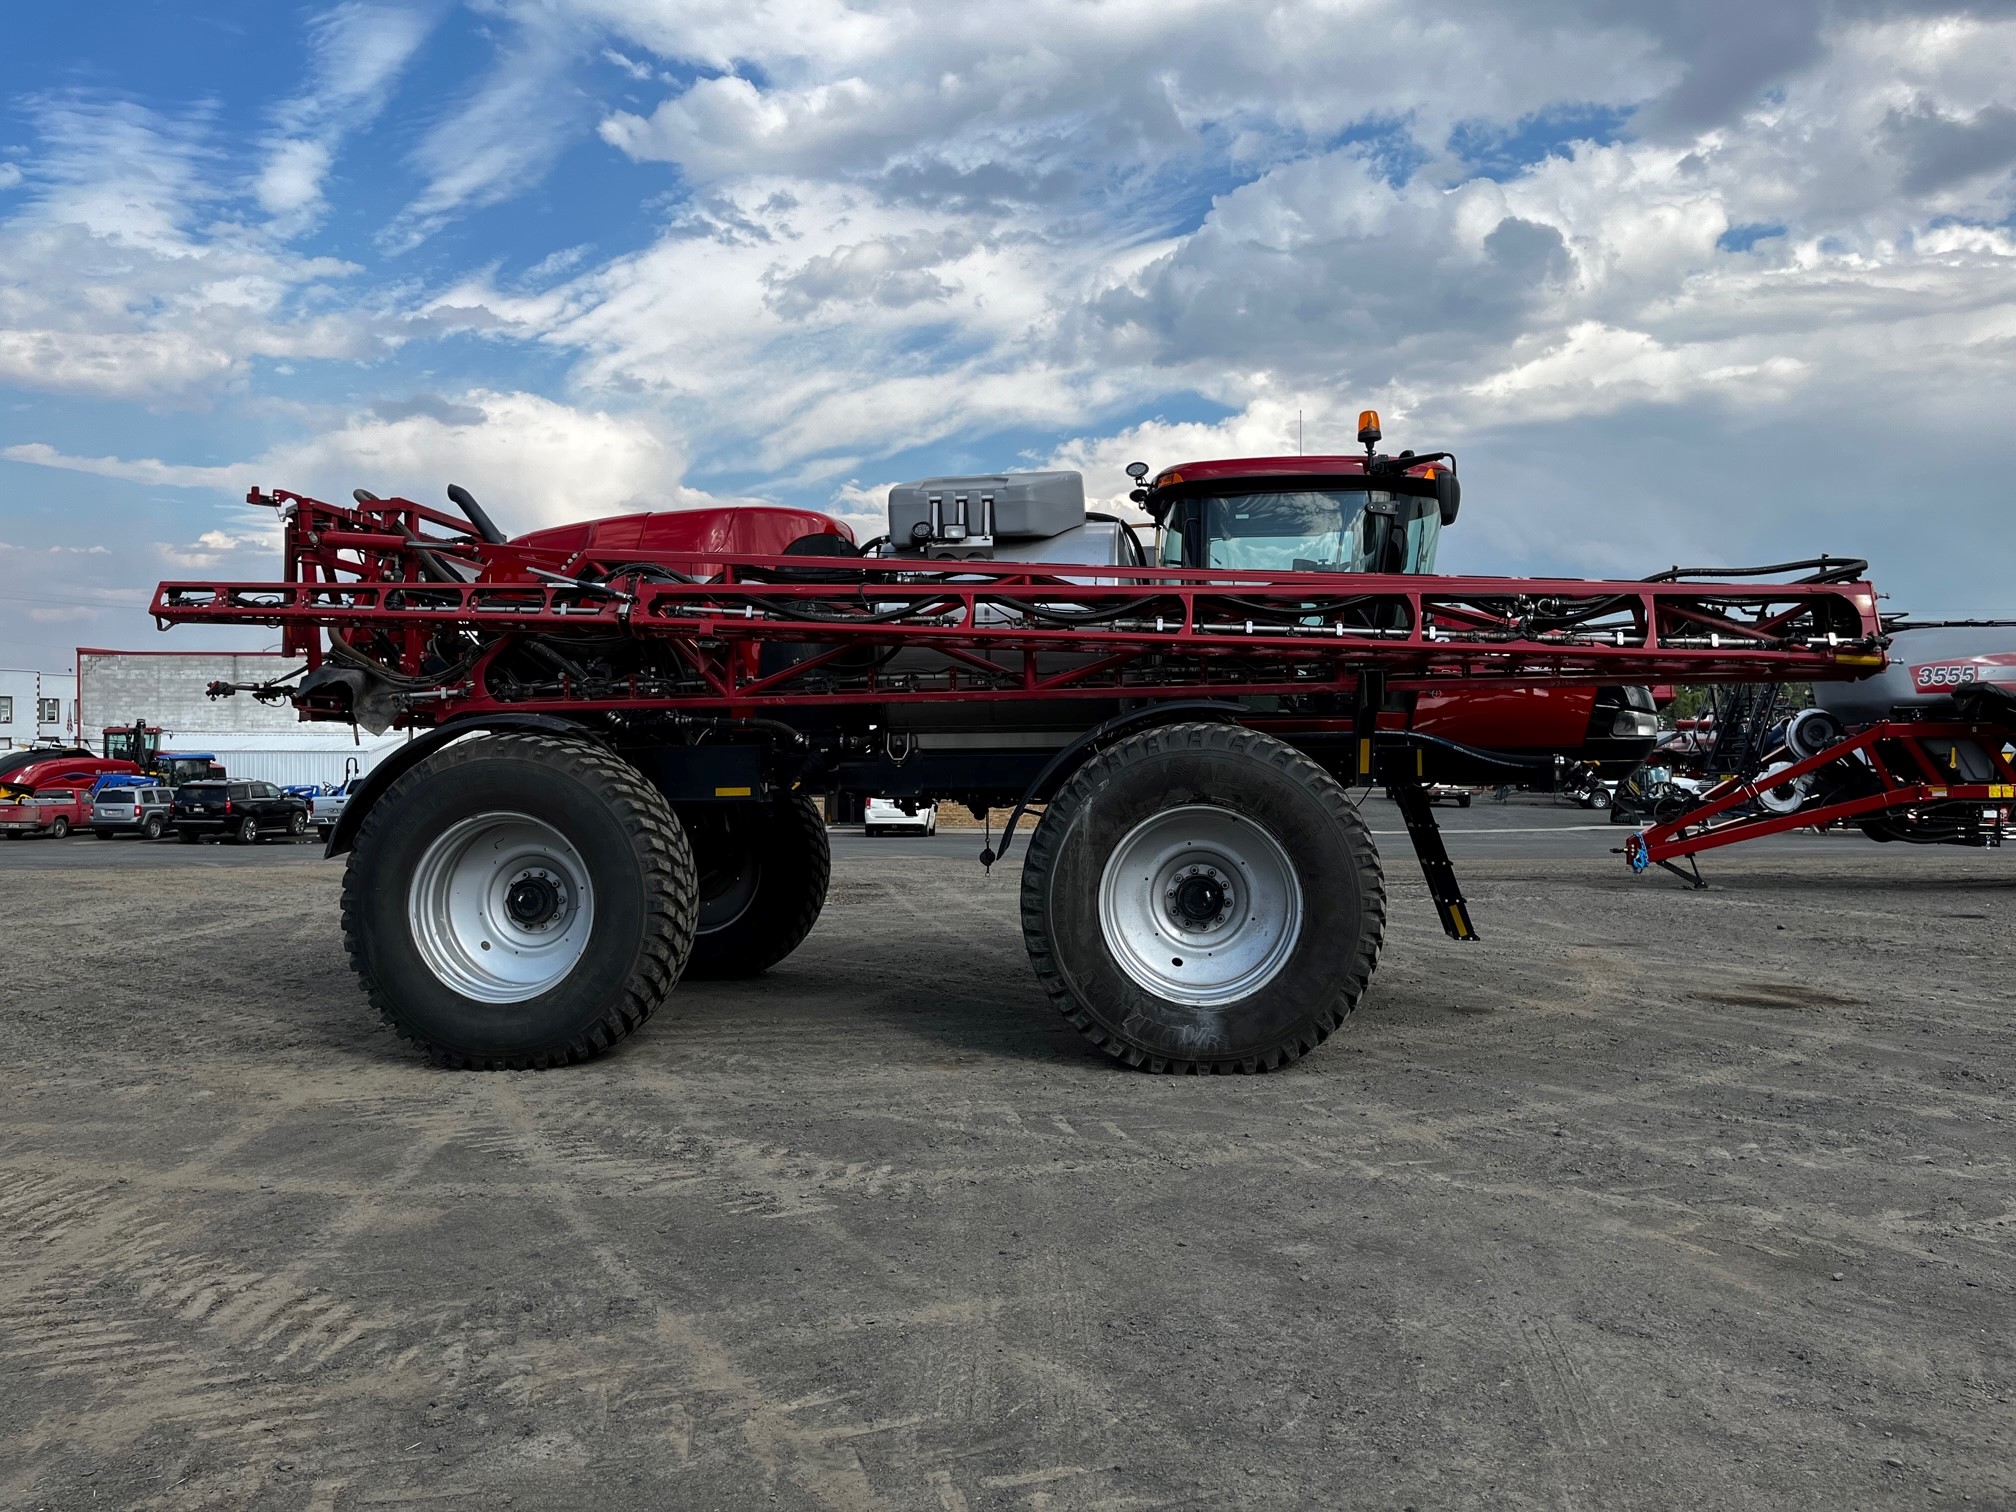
{"x":1168,"y":478}
{"x":1368,"y":426}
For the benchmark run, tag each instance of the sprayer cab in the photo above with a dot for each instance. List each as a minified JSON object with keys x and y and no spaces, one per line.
{"x":1369,"y":513}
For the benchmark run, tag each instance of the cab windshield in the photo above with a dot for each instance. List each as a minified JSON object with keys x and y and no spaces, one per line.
{"x":1312,"y":530}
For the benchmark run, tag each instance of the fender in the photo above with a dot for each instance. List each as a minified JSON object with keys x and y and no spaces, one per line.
{"x":1068,"y":760}
{"x":403,"y":760}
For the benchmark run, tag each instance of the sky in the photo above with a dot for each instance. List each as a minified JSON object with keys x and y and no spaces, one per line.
{"x":1704,"y":284}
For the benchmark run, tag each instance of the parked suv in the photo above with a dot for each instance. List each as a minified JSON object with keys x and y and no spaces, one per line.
{"x":237,"y":811}
{"x":142,"y":811}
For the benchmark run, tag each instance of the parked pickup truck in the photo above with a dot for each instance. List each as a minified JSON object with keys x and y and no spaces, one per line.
{"x":327,"y":808}
{"x":50,"y":811}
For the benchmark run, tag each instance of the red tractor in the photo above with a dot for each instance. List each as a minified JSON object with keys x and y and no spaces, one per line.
{"x":625,"y":723}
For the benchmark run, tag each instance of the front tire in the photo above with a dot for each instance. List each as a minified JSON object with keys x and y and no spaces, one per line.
{"x":763,"y":871}
{"x":1201,"y":898}
{"x":519,"y":901}
{"x":297,"y":825}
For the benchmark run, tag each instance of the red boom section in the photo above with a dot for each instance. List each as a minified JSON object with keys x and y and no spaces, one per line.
{"x":441,"y":616}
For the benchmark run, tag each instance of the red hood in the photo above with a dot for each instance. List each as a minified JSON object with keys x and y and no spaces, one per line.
{"x":686,"y":539}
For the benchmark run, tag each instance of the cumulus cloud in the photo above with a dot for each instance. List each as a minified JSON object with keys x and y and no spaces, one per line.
{"x":1570,"y":230}
{"x":120,"y":283}
{"x":533,"y":461}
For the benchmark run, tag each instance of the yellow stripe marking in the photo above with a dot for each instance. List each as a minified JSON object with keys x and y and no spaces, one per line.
{"x":741,"y":792}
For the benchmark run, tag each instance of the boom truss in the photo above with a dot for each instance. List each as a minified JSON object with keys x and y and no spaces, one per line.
{"x":455,"y":625}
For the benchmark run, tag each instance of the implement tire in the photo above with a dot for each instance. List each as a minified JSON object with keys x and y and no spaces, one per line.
{"x":763,"y":870}
{"x":518,"y":901}
{"x":1203,"y":898}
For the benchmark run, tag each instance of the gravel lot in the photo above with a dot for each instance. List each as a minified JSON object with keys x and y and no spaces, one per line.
{"x":1651,"y":1199}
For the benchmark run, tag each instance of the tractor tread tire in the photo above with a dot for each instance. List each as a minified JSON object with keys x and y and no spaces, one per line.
{"x":780,"y":924}
{"x":669,"y":909}
{"x":1229,"y":739}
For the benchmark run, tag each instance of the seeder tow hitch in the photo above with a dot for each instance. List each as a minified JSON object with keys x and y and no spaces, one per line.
{"x":1926,"y":782}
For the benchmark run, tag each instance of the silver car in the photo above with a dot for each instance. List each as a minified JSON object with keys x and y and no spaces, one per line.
{"x":141,"y":811}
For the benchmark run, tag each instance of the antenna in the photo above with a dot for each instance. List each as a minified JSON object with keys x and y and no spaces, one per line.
{"x":1298,"y":433}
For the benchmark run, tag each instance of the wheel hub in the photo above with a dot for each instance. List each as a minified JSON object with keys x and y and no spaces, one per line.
{"x":1199,"y":899}
{"x":535,"y":899}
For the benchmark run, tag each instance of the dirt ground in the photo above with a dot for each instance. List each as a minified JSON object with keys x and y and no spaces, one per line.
{"x":1649,"y":1200}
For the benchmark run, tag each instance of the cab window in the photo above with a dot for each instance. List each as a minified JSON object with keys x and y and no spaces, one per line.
{"x":1306,"y":530}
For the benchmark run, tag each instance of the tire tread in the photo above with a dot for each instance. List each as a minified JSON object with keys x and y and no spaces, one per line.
{"x":671,"y":899}
{"x":1084,"y":786}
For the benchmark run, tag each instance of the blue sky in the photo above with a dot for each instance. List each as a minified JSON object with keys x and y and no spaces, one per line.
{"x":1715,"y":283}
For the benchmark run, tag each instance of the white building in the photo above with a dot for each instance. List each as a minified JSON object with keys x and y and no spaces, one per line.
{"x":260,"y":741}
{"x":37,"y":705}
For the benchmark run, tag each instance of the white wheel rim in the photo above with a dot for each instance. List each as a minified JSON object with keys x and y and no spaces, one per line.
{"x":1779,"y":798}
{"x":501,"y":908}
{"x":1200,"y":905}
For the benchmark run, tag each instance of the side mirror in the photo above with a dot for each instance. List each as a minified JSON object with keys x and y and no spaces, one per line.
{"x":1137,"y":470}
{"x":1448,"y":495}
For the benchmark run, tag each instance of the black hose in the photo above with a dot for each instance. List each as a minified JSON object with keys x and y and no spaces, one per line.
{"x":465,"y":501}
{"x":1830,"y":570}
{"x":656,"y":570}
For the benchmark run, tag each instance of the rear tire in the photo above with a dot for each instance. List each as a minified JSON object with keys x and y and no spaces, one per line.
{"x":763,"y":871}
{"x":247,"y":832}
{"x":1202,"y":897}
{"x":102,"y":834}
{"x":188,"y":837}
{"x":59,"y":827}
{"x":151,"y":829}
{"x":519,"y":901}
